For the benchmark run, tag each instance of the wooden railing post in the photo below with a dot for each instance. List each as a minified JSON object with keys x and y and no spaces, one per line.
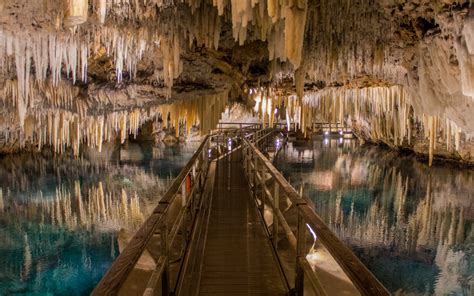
{"x":184,"y":201}
{"x":276,"y":208}
{"x":247,"y":161}
{"x":300,"y":252}
{"x":165,"y":284}
{"x":255,"y":171}
{"x":263,"y":187}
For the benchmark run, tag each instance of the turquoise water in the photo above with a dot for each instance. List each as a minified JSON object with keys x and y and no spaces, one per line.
{"x":59,"y":217}
{"x":411,"y":225}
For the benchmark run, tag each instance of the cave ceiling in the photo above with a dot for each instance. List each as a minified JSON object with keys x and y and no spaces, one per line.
{"x":99,"y":56}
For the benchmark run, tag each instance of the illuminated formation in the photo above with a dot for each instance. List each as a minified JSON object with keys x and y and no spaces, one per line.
{"x":64,"y":129}
{"x":381,"y":114}
{"x":398,"y":72}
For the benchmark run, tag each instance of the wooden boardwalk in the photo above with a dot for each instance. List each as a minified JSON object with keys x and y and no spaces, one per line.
{"x":238,"y":259}
{"x":210,"y":239}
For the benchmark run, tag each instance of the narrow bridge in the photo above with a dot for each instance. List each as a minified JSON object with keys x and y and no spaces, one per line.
{"x":230,"y":224}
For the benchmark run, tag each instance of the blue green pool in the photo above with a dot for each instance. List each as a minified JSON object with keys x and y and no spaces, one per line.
{"x":59,"y":217}
{"x":411,"y":225}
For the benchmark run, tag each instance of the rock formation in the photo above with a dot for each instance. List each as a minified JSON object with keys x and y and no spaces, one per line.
{"x":77,"y":73}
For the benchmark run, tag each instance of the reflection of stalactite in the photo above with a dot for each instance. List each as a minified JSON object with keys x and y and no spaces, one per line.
{"x":27,"y":258}
{"x":99,"y":207}
{"x":426,"y":216}
{"x":338,"y":210}
{"x":1,"y":200}
{"x":438,"y":218}
{"x":112,"y":246}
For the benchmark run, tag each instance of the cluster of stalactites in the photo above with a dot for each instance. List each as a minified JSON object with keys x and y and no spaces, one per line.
{"x":52,"y":54}
{"x":64,"y":129}
{"x":204,"y":110}
{"x":388,"y":111}
{"x":43,"y":95}
{"x":60,"y":129}
{"x":281,"y":23}
{"x":346,"y":39}
{"x":266,"y":102}
{"x":465,"y":55}
{"x":272,"y":105}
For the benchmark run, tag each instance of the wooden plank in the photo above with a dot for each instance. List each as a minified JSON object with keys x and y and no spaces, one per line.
{"x":238,"y":256}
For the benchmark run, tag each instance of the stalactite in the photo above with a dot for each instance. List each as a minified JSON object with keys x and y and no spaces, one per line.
{"x":102,"y":10}
{"x":466,"y":65}
{"x":77,"y":12}
{"x":432,"y":137}
{"x":295,"y":21}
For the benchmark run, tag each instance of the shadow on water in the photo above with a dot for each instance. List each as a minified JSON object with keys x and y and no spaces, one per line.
{"x":59,"y":217}
{"x":410,"y":224}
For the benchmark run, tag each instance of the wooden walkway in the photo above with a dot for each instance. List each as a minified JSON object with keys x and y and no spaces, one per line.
{"x":210,"y":239}
{"x":238,"y":259}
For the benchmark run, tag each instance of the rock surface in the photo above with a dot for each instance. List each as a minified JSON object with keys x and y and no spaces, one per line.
{"x":71,"y":65}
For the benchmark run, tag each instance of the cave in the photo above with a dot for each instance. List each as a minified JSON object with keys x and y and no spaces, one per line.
{"x":236,"y":147}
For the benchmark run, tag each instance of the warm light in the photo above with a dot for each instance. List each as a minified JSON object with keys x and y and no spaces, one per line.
{"x":326,"y":133}
{"x":257,"y":103}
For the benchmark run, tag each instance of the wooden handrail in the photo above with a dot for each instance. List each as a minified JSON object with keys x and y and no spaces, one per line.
{"x":357,"y":272}
{"x":122,"y":266}
{"x":118,"y":272}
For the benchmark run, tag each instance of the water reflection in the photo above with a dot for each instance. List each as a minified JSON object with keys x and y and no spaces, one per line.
{"x":60,"y":217}
{"x":411,"y":225}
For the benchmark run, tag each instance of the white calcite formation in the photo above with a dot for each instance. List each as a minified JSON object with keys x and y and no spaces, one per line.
{"x":393,"y":66}
{"x":62,"y":129}
{"x":381,"y":114}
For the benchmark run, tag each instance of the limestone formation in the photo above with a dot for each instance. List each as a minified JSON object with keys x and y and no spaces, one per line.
{"x":77,"y":73}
